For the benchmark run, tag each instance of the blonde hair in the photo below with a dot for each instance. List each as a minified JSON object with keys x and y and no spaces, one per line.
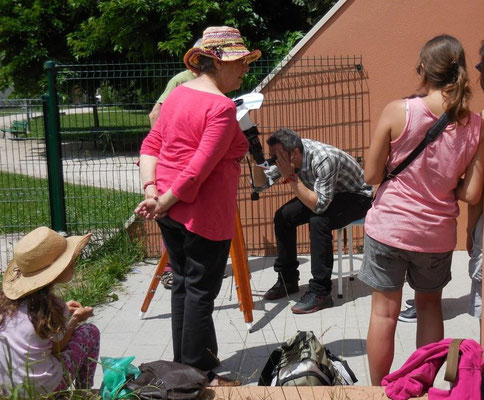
{"x":442,"y":65}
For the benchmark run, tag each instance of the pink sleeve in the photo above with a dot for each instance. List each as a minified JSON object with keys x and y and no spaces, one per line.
{"x":215,"y":142}
{"x":152,"y":142}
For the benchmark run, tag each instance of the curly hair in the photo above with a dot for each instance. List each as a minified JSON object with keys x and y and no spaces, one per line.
{"x":44,"y":308}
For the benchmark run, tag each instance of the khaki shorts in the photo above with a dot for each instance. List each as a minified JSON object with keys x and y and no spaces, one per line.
{"x":385,"y":268}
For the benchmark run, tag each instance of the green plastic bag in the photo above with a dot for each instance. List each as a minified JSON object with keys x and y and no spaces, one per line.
{"x":116,"y":371}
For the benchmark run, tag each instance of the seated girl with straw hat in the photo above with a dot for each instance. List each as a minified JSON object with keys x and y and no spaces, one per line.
{"x":42,"y":347}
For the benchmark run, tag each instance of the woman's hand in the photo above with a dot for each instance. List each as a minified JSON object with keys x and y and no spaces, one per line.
{"x":156,"y":208}
{"x":147,"y":168}
{"x":150,"y":209}
{"x":151,"y":192}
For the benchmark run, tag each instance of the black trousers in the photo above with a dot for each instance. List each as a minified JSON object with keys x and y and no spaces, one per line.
{"x":345,"y":208}
{"x":198,"y":266}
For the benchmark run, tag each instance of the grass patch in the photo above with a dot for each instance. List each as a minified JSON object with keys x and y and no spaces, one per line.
{"x":95,"y":279}
{"x":97,"y":275}
{"x":112,"y":119}
{"x":24,"y":205}
{"x":20,"y":111}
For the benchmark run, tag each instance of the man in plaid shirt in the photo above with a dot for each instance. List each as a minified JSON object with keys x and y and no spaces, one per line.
{"x":330,"y":192}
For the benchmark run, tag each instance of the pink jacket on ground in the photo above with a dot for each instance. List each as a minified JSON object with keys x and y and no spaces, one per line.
{"x":417,"y":375}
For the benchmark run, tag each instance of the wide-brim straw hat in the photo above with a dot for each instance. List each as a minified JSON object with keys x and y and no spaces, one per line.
{"x":39,"y":258}
{"x":221,"y":43}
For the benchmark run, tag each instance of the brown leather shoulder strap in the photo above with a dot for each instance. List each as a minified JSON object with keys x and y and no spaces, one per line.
{"x":452,"y":360}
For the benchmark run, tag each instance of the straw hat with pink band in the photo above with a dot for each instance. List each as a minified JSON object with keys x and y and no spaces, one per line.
{"x":222,"y":43}
{"x":39,"y":258}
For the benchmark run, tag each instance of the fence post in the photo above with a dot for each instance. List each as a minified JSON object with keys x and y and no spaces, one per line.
{"x":54,"y":152}
{"x":27,"y":113}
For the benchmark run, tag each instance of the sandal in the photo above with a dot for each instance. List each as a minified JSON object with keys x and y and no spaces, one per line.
{"x":216,"y":380}
{"x":167,"y":279}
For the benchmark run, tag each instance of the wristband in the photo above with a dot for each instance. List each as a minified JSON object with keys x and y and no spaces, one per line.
{"x":290,"y":178}
{"x":149,"y":183}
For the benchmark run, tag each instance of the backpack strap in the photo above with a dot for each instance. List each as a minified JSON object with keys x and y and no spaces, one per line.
{"x":452,"y":360}
{"x":432,"y":134}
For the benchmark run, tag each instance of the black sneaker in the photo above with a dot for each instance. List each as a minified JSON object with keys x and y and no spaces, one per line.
{"x":311,"y":302}
{"x":281,"y":289}
{"x":408,"y":315}
{"x":409,"y":303}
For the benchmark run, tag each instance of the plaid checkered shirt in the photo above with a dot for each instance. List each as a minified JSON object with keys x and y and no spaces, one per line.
{"x":326,"y":170}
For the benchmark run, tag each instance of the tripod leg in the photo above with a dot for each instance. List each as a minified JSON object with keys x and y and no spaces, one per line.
{"x":154,"y":283}
{"x":240,"y":267}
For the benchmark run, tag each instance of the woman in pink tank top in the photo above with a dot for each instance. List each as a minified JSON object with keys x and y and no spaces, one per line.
{"x":410,"y":231}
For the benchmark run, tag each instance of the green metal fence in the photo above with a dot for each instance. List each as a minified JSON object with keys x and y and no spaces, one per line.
{"x":97,"y":116}
{"x":101,"y":114}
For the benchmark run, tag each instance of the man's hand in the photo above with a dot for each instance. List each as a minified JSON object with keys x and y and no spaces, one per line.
{"x":284,"y":164}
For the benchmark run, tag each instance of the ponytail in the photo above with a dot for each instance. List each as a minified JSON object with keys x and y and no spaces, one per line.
{"x":457,"y":95}
{"x":443,"y":66}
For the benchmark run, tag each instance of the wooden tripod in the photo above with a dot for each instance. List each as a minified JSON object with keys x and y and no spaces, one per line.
{"x":240,"y":268}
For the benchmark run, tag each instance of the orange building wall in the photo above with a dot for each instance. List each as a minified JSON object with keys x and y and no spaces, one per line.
{"x":389,"y":35}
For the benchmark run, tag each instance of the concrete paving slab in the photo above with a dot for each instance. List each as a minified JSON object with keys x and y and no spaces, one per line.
{"x":342,"y":328}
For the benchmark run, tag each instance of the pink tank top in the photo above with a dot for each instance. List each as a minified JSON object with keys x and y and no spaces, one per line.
{"x":417,"y":209}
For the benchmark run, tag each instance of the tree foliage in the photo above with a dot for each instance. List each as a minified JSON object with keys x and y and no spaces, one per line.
{"x":33,"y":31}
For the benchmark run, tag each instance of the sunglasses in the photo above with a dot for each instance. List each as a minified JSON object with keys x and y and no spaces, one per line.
{"x":479,"y":67}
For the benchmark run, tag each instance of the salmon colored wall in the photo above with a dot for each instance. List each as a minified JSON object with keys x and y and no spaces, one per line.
{"x":321,"y":98}
{"x":389,"y":35}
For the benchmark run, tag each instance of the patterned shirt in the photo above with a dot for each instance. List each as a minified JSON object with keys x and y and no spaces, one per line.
{"x":326,"y":170}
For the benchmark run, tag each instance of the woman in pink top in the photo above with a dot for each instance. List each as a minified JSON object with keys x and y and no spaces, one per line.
{"x":411,"y":227}
{"x":190,"y":161}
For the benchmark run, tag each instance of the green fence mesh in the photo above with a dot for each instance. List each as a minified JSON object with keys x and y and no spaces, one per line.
{"x":103,"y":117}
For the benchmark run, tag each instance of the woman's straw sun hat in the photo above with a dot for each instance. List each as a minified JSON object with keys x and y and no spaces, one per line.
{"x":38,"y":259}
{"x":221,"y":43}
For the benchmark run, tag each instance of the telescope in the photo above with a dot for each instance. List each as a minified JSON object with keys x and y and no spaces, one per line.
{"x":245,"y":103}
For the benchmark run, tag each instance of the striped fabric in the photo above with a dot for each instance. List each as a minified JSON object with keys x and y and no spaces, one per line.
{"x":327,"y":170}
{"x":223,"y":43}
